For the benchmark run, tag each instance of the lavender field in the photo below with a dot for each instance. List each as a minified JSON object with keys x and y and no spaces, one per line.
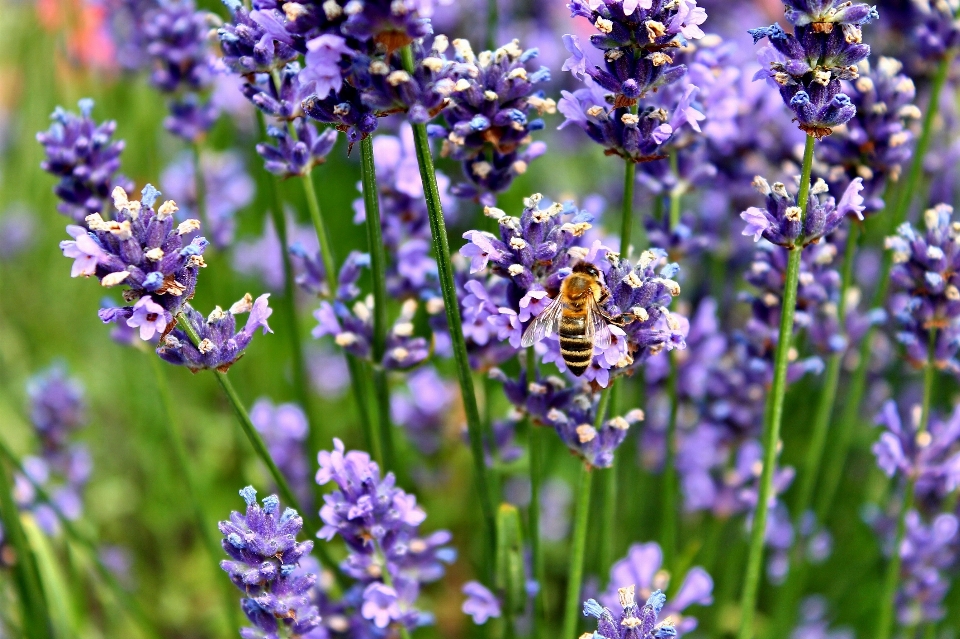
{"x":480,"y":319}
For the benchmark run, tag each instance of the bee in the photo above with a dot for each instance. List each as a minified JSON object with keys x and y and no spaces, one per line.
{"x":577,"y":317}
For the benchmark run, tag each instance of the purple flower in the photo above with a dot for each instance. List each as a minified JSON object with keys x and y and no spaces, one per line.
{"x":322,"y":74}
{"x":249,"y":46}
{"x":149,"y":317}
{"x":296,"y":154}
{"x":634,"y":622}
{"x":219,"y":347}
{"x":926,"y":271}
{"x":782,"y":222}
{"x":480,"y":603}
{"x":84,"y":156}
{"x":380,"y":524}
{"x":642,"y":567}
{"x":84,"y":250}
{"x":927,"y":455}
{"x":264,"y":554}
{"x":423,"y":410}
{"x":284,"y":428}
{"x":928,"y":553}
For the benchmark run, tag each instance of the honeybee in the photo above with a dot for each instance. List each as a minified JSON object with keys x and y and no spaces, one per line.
{"x":577,"y":317}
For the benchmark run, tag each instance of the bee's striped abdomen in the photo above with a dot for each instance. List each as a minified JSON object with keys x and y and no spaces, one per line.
{"x":575,"y":347}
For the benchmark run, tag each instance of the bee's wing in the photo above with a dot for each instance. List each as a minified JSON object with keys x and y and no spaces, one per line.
{"x":546,"y":323}
{"x":597,"y":328}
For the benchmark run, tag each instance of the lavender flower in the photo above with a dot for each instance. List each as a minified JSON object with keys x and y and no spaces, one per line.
{"x":925,"y":270}
{"x":642,"y":567}
{"x":254,"y":41}
{"x":813,"y":624}
{"x":85,"y":157}
{"x":62,"y":468}
{"x":807,"y":66}
{"x":874,"y":144}
{"x":140,"y":249}
{"x":284,"y":428}
{"x":634,"y":622}
{"x":349,"y":319}
{"x":219,"y":348}
{"x":928,"y":552}
{"x":296,"y":152}
{"x":481,"y":604}
{"x":936,"y":31}
{"x":928,"y":456}
{"x":264,"y":555}
{"x":488,"y":127}
{"x":782,"y":222}
{"x":390,"y":23}
{"x":227,"y":186}
{"x":424,"y":410}
{"x":380,"y":524}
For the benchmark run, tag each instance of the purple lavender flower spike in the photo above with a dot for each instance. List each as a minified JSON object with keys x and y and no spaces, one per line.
{"x":380,"y":524}
{"x":219,"y":347}
{"x":390,"y":23}
{"x":807,"y":66}
{"x":925,"y":263}
{"x":929,"y":457}
{"x":175,"y":37}
{"x":812,"y":623}
{"x":634,"y":622}
{"x":248,"y":46}
{"x":642,"y":567}
{"x":85,"y":157}
{"x":349,"y":319}
{"x":779,"y":222}
{"x":423,"y":411}
{"x":57,"y":411}
{"x":929,"y":553}
{"x":936,"y":31}
{"x":488,"y":125}
{"x":480,"y":604}
{"x":284,"y":428}
{"x":142,"y":250}
{"x":288,"y":156}
{"x":876,"y":143}
{"x":264,"y":555}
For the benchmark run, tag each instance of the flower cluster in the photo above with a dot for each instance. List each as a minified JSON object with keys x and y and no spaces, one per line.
{"x":380,"y":524}
{"x":925,"y":270}
{"x":929,"y":552}
{"x":141,"y":249}
{"x":174,"y":35}
{"x":488,"y":124}
{"x":284,"y":428}
{"x":807,"y":66}
{"x":936,"y":29}
{"x":638,"y":41}
{"x":781,"y":221}
{"x":634,"y":622}
{"x":218,"y":347}
{"x":930,"y":456}
{"x":536,"y":251}
{"x":349,"y":319}
{"x":84,"y":155}
{"x":875,"y":143}
{"x":642,"y":566}
{"x":423,"y":411}
{"x":62,"y":468}
{"x":264,"y":557}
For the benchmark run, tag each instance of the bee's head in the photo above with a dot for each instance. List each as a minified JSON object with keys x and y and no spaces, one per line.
{"x":587,"y":268}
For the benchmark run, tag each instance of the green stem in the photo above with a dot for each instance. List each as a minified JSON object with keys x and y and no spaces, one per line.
{"x":33,"y":600}
{"x":259,"y":446}
{"x":323,"y":237}
{"x":677,"y":192}
{"x":289,"y":302}
{"x":771,"y":434}
{"x":357,"y":378}
{"x":571,"y":611}
{"x":626,"y":215}
{"x":202,"y":522}
{"x":536,"y":443}
{"x":608,"y":500}
{"x":670,"y":479}
{"x":127,"y":602}
{"x":452,"y":308}
{"x":885,"y":621}
{"x":378,"y":267}
{"x":858,"y":381}
{"x":796,"y":580}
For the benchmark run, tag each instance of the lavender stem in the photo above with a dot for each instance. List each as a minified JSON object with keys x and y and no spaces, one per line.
{"x":771,"y":434}
{"x":885,"y":622}
{"x":452,"y":308}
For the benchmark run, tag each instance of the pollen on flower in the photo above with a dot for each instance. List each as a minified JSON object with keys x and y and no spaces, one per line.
{"x":188,"y":226}
{"x":586,"y":433}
